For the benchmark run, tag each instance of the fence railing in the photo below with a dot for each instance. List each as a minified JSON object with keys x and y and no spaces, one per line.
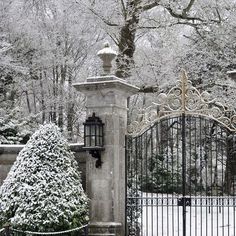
{"x":80,"y":231}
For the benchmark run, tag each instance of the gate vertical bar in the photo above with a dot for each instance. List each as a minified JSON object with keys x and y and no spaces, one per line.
{"x":126,"y":183}
{"x":183,"y":134}
{"x":184,"y":171}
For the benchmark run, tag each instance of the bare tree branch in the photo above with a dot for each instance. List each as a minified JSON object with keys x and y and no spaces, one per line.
{"x":123,"y":8}
{"x":181,"y":16}
{"x":149,"y":89}
{"x":103,"y":19}
{"x":187,"y":9}
{"x":114,"y":38}
{"x":219,"y":16}
{"x":149,"y":27}
{"x":107,"y":22}
{"x":190,"y":38}
{"x":150,"y":5}
{"x":194,"y":25}
{"x":170,"y":25}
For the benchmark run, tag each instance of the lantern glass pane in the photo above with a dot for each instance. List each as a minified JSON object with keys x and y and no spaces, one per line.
{"x":100,"y":141}
{"x":97,"y":129}
{"x":92,"y":129}
{"x":87,"y":130}
{"x":100,"y":130}
{"x":92,"y":141}
{"x":87,"y":142}
{"x":96,"y":140}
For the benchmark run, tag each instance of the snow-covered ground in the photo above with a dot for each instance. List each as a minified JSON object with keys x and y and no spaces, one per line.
{"x":167,"y":221}
{"x":201,"y":220}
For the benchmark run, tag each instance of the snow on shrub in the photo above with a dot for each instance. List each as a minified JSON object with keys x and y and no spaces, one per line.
{"x":43,"y":190}
{"x":14,"y":129}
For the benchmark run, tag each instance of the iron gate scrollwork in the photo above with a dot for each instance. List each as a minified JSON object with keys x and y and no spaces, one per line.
{"x":181,"y":171}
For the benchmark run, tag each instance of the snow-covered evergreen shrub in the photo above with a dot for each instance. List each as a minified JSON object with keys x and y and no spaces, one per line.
{"x":43,"y":190}
{"x":163,"y":173}
{"x":14,"y":129}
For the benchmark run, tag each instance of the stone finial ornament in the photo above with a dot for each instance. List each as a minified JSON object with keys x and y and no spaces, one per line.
{"x":107,"y":54}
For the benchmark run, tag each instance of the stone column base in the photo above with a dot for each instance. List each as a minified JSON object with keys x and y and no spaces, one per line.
{"x":105,"y":228}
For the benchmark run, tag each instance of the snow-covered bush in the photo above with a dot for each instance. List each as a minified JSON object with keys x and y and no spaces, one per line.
{"x":43,"y":190}
{"x":14,"y":128}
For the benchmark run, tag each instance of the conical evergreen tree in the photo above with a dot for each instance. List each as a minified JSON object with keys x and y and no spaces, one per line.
{"x":43,"y":190}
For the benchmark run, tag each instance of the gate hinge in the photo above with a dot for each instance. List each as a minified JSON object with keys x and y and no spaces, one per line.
{"x":184,"y":201}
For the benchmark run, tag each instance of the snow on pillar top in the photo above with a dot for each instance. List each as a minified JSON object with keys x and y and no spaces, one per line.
{"x":107,"y":54}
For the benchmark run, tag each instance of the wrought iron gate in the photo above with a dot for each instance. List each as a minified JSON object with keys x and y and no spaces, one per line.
{"x":181,"y":169}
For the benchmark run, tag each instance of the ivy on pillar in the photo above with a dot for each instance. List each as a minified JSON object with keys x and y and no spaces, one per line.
{"x":107,"y":98}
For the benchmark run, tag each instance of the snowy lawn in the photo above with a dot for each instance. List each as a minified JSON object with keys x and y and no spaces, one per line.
{"x":206,"y":216}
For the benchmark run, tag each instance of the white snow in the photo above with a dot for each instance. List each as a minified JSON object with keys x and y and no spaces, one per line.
{"x":167,"y":221}
{"x":106,"y":50}
{"x":12,"y":146}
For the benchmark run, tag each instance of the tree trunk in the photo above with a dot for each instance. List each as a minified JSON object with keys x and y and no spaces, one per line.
{"x":126,"y":43}
{"x":61,"y":96}
{"x":55,"y":93}
{"x":43,"y":107}
{"x":28,"y":101}
{"x":34,"y":99}
{"x":70,"y":110}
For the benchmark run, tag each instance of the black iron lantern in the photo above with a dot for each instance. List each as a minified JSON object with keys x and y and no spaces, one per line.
{"x":94,"y":138}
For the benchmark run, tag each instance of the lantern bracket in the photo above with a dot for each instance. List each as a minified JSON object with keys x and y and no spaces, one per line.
{"x":96,"y":154}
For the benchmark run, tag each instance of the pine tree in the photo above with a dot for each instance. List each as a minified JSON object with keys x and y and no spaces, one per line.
{"x":43,"y":190}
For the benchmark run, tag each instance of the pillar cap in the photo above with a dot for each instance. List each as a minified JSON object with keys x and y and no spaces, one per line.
{"x":94,"y":84}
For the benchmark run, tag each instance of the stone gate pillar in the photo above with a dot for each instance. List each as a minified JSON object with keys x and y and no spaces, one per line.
{"x":107,"y":97}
